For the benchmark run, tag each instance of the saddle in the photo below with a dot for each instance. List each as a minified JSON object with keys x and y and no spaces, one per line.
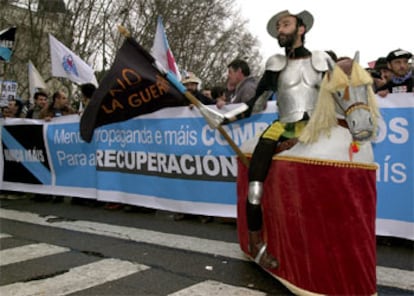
{"x":286,"y":145}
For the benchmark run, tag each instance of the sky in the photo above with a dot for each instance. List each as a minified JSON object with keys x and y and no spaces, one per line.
{"x":372,"y":27}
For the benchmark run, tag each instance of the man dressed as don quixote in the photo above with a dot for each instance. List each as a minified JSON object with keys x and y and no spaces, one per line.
{"x":295,"y":78}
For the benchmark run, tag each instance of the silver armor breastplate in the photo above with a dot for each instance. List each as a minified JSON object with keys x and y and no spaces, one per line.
{"x":298,"y":87}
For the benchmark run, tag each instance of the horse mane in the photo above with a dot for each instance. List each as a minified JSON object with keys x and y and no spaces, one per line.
{"x":324,"y":116}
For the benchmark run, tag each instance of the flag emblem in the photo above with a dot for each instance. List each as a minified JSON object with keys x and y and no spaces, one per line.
{"x":69,"y":65}
{"x":65,"y":63}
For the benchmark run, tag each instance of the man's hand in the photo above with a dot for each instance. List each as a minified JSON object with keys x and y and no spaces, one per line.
{"x":383,"y":93}
{"x":220,"y":103}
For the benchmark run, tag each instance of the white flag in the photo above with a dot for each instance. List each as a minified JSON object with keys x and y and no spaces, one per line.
{"x":161,"y":50}
{"x":67,"y":64}
{"x":36,"y":81}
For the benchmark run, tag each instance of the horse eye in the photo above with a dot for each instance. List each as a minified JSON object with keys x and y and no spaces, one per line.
{"x":353,"y":123}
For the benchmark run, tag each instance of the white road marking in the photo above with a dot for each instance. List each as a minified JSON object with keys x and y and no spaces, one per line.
{"x":4,"y":235}
{"x":390,"y":277}
{"x":393,"y":277}
{"x":208,"y":288}
{"x":76,"y":279}
{"x":189,"y":243}
{"x":27,"y":252}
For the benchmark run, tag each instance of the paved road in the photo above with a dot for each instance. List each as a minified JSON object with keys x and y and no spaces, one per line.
{"x":65,"y":249}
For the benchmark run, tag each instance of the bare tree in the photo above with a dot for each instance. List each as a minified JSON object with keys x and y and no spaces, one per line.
{"x":205,"y":36}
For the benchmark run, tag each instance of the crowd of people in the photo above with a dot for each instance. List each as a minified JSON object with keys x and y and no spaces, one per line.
{"x":393,"y":73}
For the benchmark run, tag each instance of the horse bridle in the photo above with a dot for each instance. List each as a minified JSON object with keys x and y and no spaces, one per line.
{"x":353,"y":107}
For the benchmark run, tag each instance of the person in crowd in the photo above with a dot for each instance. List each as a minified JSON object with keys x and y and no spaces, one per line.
{"x":229,"y":93}
{"x":296,"y":78}
{"x":402,"y":80}
{"x":381,"y":74}
{"x":218,"y":93}
{"x":87,"y":90}
{"x":193,"y":84}
{"x":40,"y":102}
{"x":58,"y":107}
{"x":14,"y":109}
{"x":238,"y":75}
{"x":207,"y":93}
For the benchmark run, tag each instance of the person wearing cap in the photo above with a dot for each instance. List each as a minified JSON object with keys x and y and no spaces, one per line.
{"x":402,"y":80}
{"x":192,"y":83}
{"x":295,"y":77}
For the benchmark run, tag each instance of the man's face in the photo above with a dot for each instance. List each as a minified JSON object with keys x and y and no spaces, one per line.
{"x":41,"y":101}
{"x":399,"y":67}
{"x":12,"y":108}
{"x":234,"y":76}
{"x":61,"y":101}
{"x":386,"y":74}
{"x":191,"y":86}
{"x":287,"y":31}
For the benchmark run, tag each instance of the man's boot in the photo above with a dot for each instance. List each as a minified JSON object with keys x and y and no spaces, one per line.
{"x":257,"y":249}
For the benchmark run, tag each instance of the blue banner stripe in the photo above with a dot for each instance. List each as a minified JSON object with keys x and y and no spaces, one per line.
{"x":36,"y":168}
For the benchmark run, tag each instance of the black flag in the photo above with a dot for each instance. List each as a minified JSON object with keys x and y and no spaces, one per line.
{"x":7,"y":37}
{"x":132,"y":87}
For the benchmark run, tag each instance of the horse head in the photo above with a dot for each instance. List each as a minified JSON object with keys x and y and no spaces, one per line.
{"x":350,"y":86}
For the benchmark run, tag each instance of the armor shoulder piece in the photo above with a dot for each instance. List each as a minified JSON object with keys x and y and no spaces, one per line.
{"x":320,"y":61}
{"x":276,"y":63}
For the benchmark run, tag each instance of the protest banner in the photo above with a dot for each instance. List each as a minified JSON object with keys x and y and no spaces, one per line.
{"x":172,"y":160}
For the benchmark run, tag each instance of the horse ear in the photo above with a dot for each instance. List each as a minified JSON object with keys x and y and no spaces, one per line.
{"x":356,"y":57}
{"x":331,"y":66}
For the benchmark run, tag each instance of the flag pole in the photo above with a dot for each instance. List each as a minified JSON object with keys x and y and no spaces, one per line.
{"x":212,"y":117}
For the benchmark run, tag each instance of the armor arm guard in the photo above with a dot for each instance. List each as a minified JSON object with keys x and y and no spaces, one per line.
{"x":276,"y":63}
{"x":320,"y":60}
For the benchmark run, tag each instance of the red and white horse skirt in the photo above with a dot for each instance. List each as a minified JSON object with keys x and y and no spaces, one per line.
{"x":319,"y":223}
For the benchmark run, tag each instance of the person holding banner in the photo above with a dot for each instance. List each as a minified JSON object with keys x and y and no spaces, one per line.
{"x":58,"y":107}
{"x":40,"y":102}
{"x":402,"y":80}
{"x":192,"y":83}
{"x":13,"y":109}
{"x":87,"y":90}
{"x":295,"y":77}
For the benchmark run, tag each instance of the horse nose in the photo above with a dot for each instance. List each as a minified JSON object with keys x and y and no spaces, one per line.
{"x":363,"y":135}
{"x":364,"y":130}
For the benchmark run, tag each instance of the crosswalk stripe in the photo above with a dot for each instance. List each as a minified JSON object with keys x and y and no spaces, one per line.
{"x":385,"y":276}
{"x":217,"y":289}
{"x":76,"y":279}
{"x":393,"y":277}
{"x":27,"y":252}
{"x":4,"y":235}
{"x":188,"y":243}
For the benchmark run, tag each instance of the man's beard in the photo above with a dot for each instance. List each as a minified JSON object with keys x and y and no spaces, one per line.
{"x":287,"y":40}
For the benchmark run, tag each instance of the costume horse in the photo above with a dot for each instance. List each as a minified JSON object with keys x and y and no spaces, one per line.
{"x":319,"y":202}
